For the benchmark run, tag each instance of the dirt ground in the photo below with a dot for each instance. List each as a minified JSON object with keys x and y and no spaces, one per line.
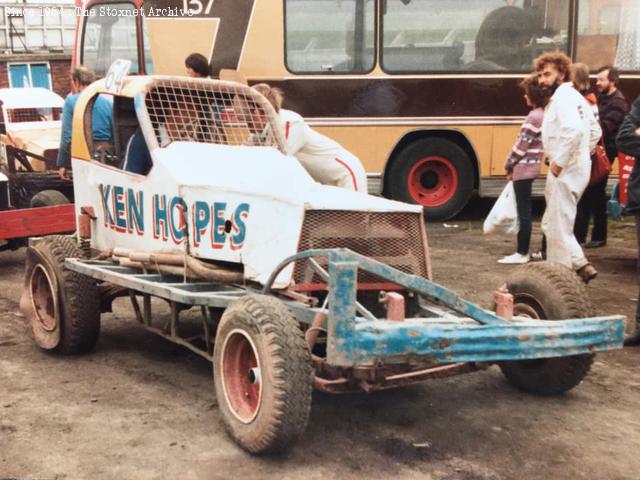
{"x":141,"y":408}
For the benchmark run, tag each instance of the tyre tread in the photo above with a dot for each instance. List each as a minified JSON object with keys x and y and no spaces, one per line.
{"x":561,"y":374}
{"x":79,"y":299}
{"x":292,"y":374}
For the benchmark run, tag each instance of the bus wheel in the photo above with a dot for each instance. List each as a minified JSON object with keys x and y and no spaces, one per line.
{"x":435,"y":173}
{"x":262,"y":374}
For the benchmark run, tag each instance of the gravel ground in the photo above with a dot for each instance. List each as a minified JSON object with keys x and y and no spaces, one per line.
{"x":142,"y":408}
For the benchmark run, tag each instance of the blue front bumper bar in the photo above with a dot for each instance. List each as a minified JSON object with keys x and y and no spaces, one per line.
{"x":473,"y":335}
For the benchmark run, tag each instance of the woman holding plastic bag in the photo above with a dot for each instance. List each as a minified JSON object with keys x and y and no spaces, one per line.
{"x":523,"y":166}
{"x":503,"y":217}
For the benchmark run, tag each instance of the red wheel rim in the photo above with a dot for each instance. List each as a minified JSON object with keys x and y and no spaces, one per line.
{"x":43,"y":298}
{"x":241,"y":378}
{"x":432,"y":181}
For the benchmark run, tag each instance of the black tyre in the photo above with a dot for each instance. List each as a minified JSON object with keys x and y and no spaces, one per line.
{"x":63,"y":307}
{"x":435,"y":173}
{"x":547,"y":290}
{"x":262,"y":374}
{"x":48,"y":198}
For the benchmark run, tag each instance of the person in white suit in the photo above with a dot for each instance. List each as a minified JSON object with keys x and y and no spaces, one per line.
{"x":325,"y":159}
{"x":570,"y":132}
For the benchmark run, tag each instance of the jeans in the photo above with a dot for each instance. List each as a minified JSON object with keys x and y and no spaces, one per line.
{"x":522,"y":190}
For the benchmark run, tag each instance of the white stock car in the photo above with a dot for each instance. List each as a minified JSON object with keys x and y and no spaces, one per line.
{"x":299,"y":285}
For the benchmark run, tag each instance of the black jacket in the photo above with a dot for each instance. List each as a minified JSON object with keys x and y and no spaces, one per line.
{"x":628,"y":142}
{"x":612,"y":110}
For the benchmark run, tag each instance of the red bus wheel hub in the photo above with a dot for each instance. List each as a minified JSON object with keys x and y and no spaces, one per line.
{"x":432,"y":181}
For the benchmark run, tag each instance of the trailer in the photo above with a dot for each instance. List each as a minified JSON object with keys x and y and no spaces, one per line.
{"x":283,"y":284}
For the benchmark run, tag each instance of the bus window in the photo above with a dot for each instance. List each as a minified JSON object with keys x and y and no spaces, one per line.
{"x":148,"y":60}
{"x":608,"y":34}
{"x":109,"y":34}
{"x":470,"y":35}
{"x":330,"y":36}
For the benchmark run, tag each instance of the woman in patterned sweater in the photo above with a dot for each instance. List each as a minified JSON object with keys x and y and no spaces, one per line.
{"x":523,"y":165}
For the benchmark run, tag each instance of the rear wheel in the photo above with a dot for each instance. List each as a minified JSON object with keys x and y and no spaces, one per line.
{"x":546,"y":290}
{"x":63,"y":307}
{"x":435,"y":173}
{"x":262,"y":374}
{"x":48,"y":198}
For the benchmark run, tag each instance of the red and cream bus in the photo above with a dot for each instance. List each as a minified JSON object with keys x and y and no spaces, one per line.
{"x":424,"y":92}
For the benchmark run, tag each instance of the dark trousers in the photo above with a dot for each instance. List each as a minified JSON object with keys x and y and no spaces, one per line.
{"x":593,"y":203}
{"x":522,"y":190}
{"x":638,"y":304}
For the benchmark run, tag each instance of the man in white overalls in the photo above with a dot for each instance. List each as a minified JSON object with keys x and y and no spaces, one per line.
{"x":326,"y":160}
{"x":570,"y":132}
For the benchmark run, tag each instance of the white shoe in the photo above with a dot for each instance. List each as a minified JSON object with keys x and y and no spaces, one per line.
{"x":516,"y":258}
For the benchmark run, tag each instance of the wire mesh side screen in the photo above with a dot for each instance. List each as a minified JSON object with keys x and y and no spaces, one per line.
{"x":22,"y":115}
{"x":211,"y":112}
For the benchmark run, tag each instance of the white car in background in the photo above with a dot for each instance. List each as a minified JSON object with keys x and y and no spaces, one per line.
{"x":30,"y":128}
{"x":31,"y":121}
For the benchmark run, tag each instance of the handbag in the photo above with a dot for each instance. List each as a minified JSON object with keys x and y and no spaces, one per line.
{"x":503,"y":217}
{"x":600,"y":164}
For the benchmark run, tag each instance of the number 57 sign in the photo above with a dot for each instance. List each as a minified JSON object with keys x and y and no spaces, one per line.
{"x":233,"y":18}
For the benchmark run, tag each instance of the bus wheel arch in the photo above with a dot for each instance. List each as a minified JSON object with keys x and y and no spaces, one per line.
{"x":432,"y":168}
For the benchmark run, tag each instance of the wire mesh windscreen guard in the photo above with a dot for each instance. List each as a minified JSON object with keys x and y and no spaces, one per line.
{"x":210,"y":111}
{"x":394,"y":238}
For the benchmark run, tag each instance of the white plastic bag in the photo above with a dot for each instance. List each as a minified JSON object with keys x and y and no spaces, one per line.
{"x":503,"y":217}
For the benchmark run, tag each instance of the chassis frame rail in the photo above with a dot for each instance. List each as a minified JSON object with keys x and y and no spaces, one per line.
{"x":471,"y":334}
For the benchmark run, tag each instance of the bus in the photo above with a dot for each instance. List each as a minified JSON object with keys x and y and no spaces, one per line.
{"x":425,"y":92}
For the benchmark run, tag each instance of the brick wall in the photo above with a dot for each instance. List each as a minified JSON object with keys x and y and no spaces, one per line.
{"x":4,"y":75}
{"x":60,"y":80}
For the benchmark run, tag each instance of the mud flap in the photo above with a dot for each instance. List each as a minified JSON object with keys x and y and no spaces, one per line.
{"x":45,"y":327}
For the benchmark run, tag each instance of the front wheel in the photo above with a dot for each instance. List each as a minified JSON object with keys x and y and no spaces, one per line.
{"x":262,"y":374}
{"x":435,"y":173}
{"x":547,"y":290}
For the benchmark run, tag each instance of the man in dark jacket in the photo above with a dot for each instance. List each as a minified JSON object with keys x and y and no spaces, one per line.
{"x":612,"y":108}
{"x":628,"y":141}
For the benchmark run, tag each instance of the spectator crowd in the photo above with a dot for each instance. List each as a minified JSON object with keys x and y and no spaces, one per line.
{"x":571,"y":127}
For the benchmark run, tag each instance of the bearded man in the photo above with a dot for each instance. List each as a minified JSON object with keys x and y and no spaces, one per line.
{"x":570,"y":132}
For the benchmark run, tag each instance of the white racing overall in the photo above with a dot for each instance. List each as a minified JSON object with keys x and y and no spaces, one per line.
{"x":570,"y":132}
{"x":325,"y":159}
